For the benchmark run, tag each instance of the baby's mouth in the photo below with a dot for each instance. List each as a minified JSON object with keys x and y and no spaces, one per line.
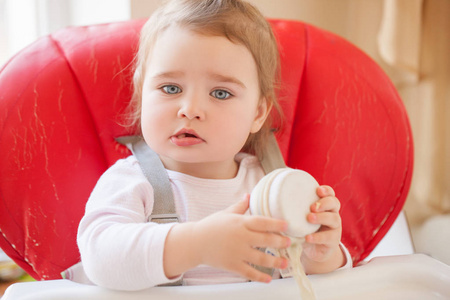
{"x":186,"y":135}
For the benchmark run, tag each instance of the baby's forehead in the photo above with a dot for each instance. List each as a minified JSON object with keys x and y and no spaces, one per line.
{"x":173,"y":33}
{"x":180,"y":41}
{"x":204,"y":31}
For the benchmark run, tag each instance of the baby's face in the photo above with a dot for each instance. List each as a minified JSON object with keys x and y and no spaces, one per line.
{"x":200,"y":99}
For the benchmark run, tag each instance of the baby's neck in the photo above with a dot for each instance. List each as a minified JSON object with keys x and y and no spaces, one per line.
{"x":207,"y":170}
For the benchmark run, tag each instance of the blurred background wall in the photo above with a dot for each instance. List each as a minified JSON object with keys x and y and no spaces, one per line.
{"x":409,"y":39}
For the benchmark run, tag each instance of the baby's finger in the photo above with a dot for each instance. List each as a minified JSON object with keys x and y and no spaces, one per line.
{"x":239,"y":207}
{"x":260,"y":258}
{"x":265,"y":224}
{"x":326,"y":237}
{"x":329,"y":203}
{"x":269,"y":240}
{"x":252,"y":274}
{"x":324,"y":191}
{"x":328,"y":219}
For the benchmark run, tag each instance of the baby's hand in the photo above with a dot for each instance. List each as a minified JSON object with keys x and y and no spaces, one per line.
{"x":228,"y":239}
{"x":323,"y":246}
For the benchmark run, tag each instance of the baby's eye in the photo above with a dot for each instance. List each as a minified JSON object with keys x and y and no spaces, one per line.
{"x":221,"y":94}
{"x":171,"y":89}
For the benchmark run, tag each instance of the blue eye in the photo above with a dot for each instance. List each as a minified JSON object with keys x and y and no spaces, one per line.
{"x":220,"y":94}
{"x":171,"y":89}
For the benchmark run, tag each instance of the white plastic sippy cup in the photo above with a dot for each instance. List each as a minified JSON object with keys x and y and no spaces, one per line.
{"x":286,"y":194}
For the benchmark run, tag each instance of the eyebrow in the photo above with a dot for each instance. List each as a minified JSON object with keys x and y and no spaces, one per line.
{"x":215,"y":76}
{"x":170,"y":74}
{"x":230,"y":79}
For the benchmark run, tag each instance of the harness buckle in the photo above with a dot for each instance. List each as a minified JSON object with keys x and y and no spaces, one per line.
{"x":164,"y":218}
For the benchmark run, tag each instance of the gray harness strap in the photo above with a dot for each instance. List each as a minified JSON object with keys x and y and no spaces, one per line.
{"x":273,"y":159}
{"x":156,"y":174}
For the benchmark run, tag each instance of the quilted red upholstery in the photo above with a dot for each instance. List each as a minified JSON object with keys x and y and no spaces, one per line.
{"x":61,"y":97}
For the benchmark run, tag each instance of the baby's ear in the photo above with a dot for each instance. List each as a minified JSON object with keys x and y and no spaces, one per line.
{"x":262,"y":112}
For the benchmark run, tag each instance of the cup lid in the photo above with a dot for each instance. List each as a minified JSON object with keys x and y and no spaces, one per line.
{"x":286,"y":194}
{"x":291,"y":194}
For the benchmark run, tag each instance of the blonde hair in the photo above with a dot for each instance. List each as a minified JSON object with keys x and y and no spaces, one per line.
{"x":239,"y":22}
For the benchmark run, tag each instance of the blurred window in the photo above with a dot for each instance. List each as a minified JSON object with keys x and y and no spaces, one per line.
{"x":23,"y":21}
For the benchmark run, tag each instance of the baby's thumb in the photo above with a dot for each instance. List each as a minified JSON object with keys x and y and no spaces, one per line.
{"x":239,"y":207}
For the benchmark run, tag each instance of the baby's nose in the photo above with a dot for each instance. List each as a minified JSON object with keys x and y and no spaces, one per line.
{"x":192,"y":108}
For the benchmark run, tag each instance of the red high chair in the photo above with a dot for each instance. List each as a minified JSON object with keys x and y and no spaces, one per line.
{"x":61,"y":99}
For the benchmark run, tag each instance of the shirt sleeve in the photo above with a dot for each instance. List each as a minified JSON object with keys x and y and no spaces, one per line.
{"x":119,"y":248}
{"x":349,"y":262}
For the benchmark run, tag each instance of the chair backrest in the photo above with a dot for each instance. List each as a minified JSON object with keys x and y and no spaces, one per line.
{"x":61,"y":97}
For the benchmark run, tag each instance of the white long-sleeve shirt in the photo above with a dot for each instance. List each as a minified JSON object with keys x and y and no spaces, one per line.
{"x":121,"y":250}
